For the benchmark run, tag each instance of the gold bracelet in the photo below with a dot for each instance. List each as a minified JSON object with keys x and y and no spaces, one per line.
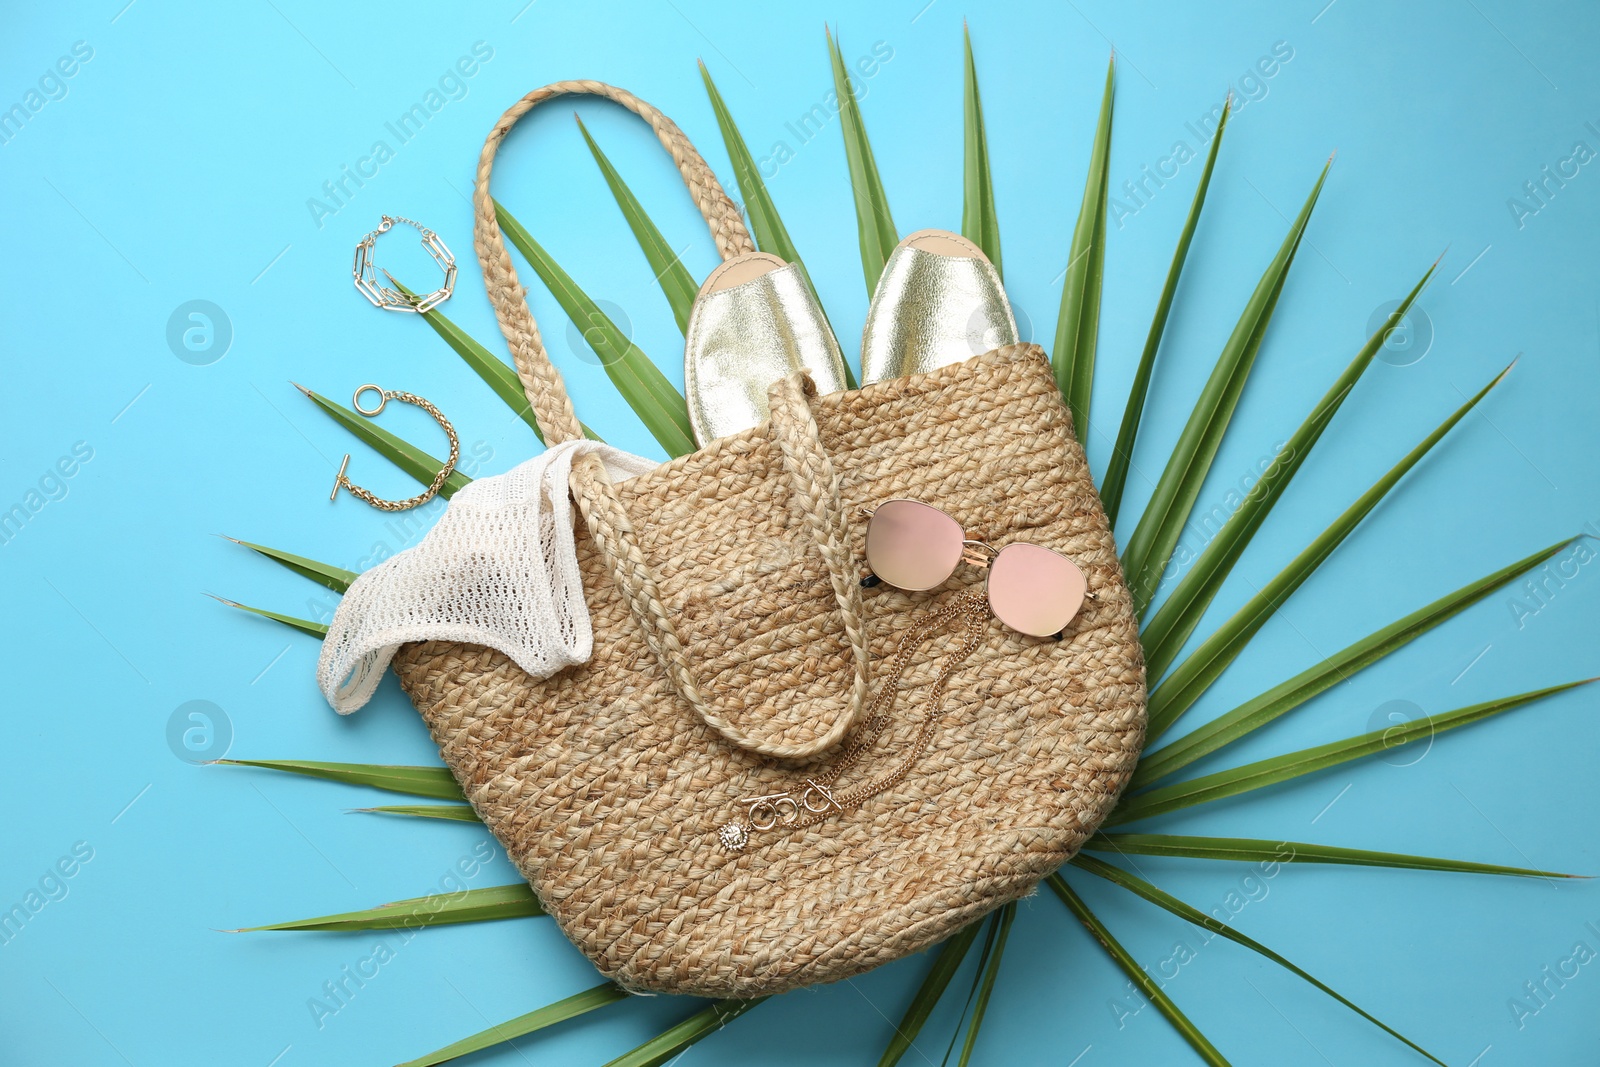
{"x":384,"y":396}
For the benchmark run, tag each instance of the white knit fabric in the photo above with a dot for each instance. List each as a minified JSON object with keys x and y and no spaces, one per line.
{"x":500,"y":568}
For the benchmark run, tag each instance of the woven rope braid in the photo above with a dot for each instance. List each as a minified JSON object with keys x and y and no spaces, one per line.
{"x":816,"y":491}
{"x":817,"y":486}
{"x":595,"y":494}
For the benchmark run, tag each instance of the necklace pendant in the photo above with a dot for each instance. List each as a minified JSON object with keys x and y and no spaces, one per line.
{"x":734,"y":835}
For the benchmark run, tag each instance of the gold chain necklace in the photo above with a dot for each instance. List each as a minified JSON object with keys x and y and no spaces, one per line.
{"x":820,"y":797}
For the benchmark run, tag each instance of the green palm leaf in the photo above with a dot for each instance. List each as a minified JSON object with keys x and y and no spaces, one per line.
{"x":951,"y":953}
{"x":979,"y":223}
{"x":1180,"y":689}
{"x":994,"y":950}
{"x":496,"y":373}
{"x":1142,"y":888}
{"x":663,"y":1047}
{"x":654,"y":399}
{"x":1253,"y":850}
{"x":765,"y":224}
{"x":435,"y":909}
{"x":1267,"y":772}
{"x":336,"y":578}
{"x":1116,"y":478}
{"x":1078,"y":325}
{"x":408,"y":457}
{"x":874,"y":224}
{"x":1156,"y":535}
{"x":676,"y":283}
{"x":1285,"y":697}
{"x":1171,"y":626}
{"x":434,"y":782}
{"x":1146,"y":985}
{"x":522,"y":1025}
{"x":500,"y":376}
{"x":305,"y":626}
{"x":989,"y":926}
{"x":451,"y":812}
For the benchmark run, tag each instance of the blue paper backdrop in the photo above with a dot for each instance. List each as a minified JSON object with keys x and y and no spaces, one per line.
{"x":166,"y":153}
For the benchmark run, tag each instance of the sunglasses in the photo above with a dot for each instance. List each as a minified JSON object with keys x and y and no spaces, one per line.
{"x":914,"y":546}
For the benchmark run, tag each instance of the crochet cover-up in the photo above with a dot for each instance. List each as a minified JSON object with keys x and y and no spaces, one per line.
{"x":499,"y":569}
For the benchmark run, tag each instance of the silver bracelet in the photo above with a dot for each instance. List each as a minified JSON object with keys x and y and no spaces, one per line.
{"x":391,"y":297}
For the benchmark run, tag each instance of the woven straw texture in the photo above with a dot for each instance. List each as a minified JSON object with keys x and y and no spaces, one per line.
{"x":734,"y":649}
{"x":607,"y":789}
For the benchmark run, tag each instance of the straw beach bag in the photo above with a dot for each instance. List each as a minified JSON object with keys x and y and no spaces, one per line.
{"x":737,"y":655}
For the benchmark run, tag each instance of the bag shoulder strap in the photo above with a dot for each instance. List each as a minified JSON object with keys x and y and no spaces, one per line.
{"x":795,"y":433}
{"x":540,"y":379}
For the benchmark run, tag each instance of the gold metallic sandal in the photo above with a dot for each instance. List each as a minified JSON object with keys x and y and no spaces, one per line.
{"x":754,"y":321}
{"x":939,"y":301}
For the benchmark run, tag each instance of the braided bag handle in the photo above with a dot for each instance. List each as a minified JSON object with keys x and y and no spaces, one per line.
{"x":540,"y":380}
{"x":806,"y":464}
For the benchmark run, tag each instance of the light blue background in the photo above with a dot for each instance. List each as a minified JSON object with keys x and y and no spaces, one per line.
{"x":178,"y":166}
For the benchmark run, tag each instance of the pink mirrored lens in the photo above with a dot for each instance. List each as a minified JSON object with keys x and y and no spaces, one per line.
{"x":911,"y":545}
{"x":1035,"y":590}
